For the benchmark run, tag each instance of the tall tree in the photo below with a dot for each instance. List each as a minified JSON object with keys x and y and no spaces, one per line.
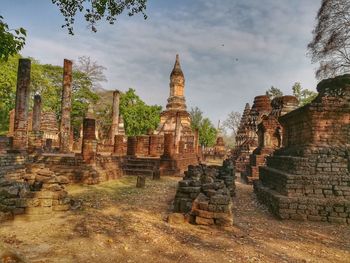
{"x":92,"y":69}
{"x":196,"y":118}
{"x":232,"y":122}
{"x":274,"y":92}
{"x":331,"y":39}
{"x":207,"y":133}
{"x":304,"y":96}
{"x":95,"y":10}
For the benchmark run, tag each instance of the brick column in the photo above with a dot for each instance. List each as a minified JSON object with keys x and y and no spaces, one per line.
{"x":168,"y":145}
{"x":142,"y":146}
{"x":89,"y":146}
{"x":36,"y":114}
{"x":115,"y":115}
{"x":66,"y":107}
{"x":20,"y":139}
{"x":153,"y":145}
{"x":131,"y":146}
{"x":119,"y":145}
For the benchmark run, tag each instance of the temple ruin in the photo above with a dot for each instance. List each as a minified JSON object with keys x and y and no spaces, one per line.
{"x":269,"y":133}
{"x":309,"y":177}
{"x":247,"y":139}
{"x":173,"y":146}
{"x":39,"y":155}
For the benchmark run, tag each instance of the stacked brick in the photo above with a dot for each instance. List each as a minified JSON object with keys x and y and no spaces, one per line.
{"x":29,"y":189}
{"x":205,"y":194}
{"x":309,"y":177}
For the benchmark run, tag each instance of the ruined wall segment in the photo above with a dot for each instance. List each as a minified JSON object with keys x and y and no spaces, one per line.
{"x":309,"y":177}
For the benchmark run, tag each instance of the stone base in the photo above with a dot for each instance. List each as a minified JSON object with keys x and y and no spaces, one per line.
{"x":303,"y":208}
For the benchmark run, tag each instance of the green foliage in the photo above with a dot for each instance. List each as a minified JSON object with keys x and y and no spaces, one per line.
{"x":8,"y":77}
{"x":207,"y":131}
{"x":94,"y":11}
{"x":196,"y":118}
{"x":304,"y":96}
{"x":138,"y":116}
{"x":11,"y":41}
{"x":274,"y":92}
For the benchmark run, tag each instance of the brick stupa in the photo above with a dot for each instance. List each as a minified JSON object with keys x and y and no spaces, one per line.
{"x":175,"y":119}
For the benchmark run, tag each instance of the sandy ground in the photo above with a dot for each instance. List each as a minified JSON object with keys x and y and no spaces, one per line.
{"x":119,"y":223}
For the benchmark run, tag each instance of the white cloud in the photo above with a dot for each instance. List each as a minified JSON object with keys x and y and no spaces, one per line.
{"x":267,"y":37}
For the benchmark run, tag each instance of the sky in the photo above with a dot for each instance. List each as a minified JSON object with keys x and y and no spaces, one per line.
{"x":230,"y":50}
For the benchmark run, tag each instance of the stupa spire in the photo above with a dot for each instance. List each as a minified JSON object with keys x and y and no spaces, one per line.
{"x":176,"y":100}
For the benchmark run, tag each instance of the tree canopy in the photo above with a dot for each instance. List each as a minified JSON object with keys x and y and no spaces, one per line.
{"x":138,"y":117}
{"x":304,"y":96}
{"x":94,"y":11}
{"x":274,"y":92}
{"x":11,"y":41}
{"x":331,"y":42}
{"x":232,"y":122}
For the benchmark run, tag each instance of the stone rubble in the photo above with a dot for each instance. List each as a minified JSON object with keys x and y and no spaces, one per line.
{"x":205,"y":194}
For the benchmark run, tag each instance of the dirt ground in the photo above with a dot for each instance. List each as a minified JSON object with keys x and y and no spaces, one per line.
{"x":115,"y":222}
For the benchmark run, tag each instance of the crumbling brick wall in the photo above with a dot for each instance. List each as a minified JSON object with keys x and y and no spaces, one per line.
{"x":29,"y":189}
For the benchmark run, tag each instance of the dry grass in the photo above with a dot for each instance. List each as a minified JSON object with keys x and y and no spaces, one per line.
{"x":120,"y":223}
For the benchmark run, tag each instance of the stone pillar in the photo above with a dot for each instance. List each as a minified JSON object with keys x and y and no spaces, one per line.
{"x":168,"y":145}
{"x":20,"y":139}
{"x":119,"y":145}
{"x":131,"y":146}
{"x":115,"y":115}
{"x":36,"y":114}
{"x":89,"y":147}
{"x":66,"y":107}
{"x":153,"y":145}
{"x":196,"y":141}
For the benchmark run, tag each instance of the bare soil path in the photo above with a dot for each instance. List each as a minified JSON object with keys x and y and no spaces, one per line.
{"x":119,"y":223}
